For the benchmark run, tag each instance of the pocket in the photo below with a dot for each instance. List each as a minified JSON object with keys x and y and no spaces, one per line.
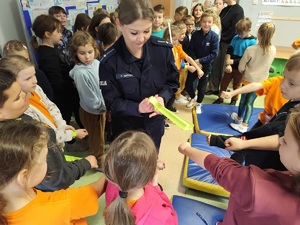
{"x":128,"y":83}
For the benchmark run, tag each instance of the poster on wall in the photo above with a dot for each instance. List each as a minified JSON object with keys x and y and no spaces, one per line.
{"x":30,"y":9}
{"x":281,"y":2}
{"x":33,"y":8}
{"x":263,"y":17}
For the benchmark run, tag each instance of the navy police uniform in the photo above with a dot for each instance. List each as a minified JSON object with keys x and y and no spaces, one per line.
{"x":126,"y":80}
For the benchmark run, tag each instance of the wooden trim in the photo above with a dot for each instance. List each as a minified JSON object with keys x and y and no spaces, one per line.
{"x":286,"y":18}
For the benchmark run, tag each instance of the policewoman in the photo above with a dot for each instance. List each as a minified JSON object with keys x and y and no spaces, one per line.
{"x":136,"y":67}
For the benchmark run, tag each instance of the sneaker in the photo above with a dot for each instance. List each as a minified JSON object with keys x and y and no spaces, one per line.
{"x":192,"y":102}
{"x":184,"y":97}
{"x":218,"y":101}
{"x":181,"y":100}
{"x":239,"y":127}
{"x":167,"y":126}
{"x":233,"y":102}
{"x":198,"y":108}
{"x":235,"y":118}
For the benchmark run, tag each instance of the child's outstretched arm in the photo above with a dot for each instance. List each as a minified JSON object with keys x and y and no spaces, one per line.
{"x":264,"y":143}
{"x":245,"y":89}
{"x":194,"y":64}
{"x":198,"y":156}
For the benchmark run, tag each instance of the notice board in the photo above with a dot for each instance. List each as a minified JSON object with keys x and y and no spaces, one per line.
{"x":30,"y":9}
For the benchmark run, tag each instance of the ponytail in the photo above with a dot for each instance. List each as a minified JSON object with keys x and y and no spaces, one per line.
{"x":34,"y":43}
{"x":101,"y":48}
{"x":266,"y":31}
{"x":118,"y":212}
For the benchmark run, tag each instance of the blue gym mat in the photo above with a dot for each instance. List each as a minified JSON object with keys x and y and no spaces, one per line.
{"x":198,"y":178}
{"x":192,"y":212}
{"x":216,"y":119}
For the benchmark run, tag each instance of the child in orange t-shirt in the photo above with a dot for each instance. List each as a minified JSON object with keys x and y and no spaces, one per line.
{"x":179,"y":56}
{"x":269,"y":87}
{"x":23,"y":153}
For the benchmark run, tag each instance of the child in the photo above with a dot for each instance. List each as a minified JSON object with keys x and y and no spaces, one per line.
{"x":180,"y":55}
{"x":258,"y":196}
{"x":234,"y":53}
{"x":276,"y":125}
{"x":273,"y":97}
{"x":84,"y":51}
{"x":82,"y":22}
{"x":23,"y":165}
{"x":216,"y":27}
{"x":254,"y":66}
{"x":197,"y":12}
{"x":108,"y":34}
{"x":60,"y":173}
{"x":180,"y":13}
{"x":207,"y":5}
{"x":114,"y":16}
{"x":218,"y":5}
{"x":183,"y":40}
{"x":167,"y":20}
{"x":96,"y":21}
{"x":47,"y":28}
{"x":157,"y":30}
{"x":133,"y":195}
{"x":189,"y":21}
{"x":60,"y":14}
{"x":40,"y":107}
{"x":100,"y":11}
{"x":203,"y":48}
{"x":15,"y":47}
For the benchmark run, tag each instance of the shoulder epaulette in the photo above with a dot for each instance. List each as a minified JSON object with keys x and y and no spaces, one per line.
{"x":161,"y":42}
{"x":107,"y":54}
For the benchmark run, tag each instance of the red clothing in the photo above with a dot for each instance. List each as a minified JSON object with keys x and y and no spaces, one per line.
{"x":63,"y":207}
{"x":260,"y":197}
{"x":153,"y":207}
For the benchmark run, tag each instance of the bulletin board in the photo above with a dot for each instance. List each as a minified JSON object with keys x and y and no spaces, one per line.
{"x":30,"y":9}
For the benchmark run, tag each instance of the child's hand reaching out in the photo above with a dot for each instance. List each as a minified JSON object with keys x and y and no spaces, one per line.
{"x":81,"y":133}
{"x":93,"y":161}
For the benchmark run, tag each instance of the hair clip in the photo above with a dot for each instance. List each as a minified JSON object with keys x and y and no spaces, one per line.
{"x":24,"y":46}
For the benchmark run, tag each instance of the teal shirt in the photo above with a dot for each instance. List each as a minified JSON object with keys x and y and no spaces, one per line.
{"x":159,"y":34}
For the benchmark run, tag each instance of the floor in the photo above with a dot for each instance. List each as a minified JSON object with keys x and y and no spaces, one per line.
{"x":170,"y":178}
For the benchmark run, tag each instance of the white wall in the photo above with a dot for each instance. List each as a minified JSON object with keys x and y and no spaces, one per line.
{"x":10,"y":25}
{"x":286,"y":31}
